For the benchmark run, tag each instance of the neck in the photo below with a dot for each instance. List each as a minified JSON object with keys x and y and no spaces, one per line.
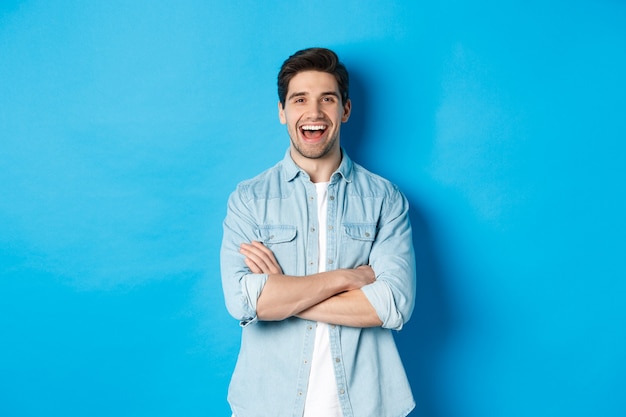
{"x":318,"y":169}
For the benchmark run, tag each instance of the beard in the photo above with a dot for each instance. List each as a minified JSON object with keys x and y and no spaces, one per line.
{"x":315,"y":151}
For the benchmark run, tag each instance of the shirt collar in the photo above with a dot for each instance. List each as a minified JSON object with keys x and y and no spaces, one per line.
{"x":291,"y":170}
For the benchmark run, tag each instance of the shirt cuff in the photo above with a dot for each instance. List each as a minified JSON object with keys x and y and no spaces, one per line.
{"x":251,"y":287}
{"x":381,"y":297}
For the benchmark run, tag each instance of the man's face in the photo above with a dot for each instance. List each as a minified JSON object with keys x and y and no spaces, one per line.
{"x":313,"y":114}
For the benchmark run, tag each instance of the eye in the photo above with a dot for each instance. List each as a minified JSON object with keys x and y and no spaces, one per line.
{"x":328,"y":99}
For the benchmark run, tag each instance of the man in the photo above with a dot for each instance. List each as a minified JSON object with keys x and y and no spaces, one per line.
{"x":318,"y":266}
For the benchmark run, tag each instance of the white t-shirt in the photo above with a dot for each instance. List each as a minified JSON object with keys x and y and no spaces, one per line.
{"x":322,"y":398}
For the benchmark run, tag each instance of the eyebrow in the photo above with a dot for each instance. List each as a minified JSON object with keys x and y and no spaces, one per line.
{"x":304,"y":93}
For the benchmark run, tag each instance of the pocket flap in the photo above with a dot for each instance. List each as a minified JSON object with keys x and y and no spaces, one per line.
{"x":277,"y":234}
{"x":361,"y":231}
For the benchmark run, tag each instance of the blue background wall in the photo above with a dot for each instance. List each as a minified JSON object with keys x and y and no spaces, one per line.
{"x":125,"y":125}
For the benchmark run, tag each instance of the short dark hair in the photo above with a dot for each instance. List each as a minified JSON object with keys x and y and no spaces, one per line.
{"x":313,"y":59}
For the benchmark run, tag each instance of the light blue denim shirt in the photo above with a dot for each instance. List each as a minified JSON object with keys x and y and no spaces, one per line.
{"x":368,"y":224}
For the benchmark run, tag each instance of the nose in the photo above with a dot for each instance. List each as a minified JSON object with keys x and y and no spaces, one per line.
{"x":315,"y":110}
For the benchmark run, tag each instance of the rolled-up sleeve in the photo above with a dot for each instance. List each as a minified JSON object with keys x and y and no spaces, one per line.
{"x":393,"y":260}
{"x":241,"y":287}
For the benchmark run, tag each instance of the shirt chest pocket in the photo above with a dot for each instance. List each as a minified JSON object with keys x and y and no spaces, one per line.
{"x":281,"y":240}
{"x":356,"y":243}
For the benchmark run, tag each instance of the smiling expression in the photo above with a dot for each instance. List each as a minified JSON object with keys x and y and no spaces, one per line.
{"x":313,"y":113}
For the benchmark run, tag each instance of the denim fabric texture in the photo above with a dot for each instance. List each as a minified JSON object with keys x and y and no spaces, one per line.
{"x":368,"y":224}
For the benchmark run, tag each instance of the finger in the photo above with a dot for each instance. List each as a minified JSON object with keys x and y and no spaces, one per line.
{"x":268,"y":255}
{"x":260,"y":253}
{"x":369,"y":272}
{"x":263,"y":251}
{"x":254,"y":268}
{"x":262,"y":256}
{"x":259,"y":261}
{"x":260,"y":246}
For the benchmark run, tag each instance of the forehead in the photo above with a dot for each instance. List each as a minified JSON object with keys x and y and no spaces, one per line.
{"x":312,"y":82}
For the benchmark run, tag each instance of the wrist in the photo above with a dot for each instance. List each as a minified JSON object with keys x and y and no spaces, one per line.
{"x":338,"y":280}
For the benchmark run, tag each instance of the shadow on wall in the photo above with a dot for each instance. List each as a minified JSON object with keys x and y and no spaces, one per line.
{"x":353,"y":133}
{"x":423,"y":339}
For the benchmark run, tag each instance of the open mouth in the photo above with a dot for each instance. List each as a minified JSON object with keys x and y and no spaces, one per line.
{"x":313,"y":131}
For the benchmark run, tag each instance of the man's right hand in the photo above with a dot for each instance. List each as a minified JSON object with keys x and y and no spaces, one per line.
{"x":359,"y":277}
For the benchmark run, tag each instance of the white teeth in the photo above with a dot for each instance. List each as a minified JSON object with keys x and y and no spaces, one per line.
{"x":313,"y":127}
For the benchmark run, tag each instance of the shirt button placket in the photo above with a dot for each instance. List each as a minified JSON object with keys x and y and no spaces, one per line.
{"x":332,"y":215}
{"x":310,"y":265}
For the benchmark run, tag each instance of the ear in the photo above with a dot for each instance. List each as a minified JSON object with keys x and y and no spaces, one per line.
{"x":281,"y":113}
{"x":347,"y":108}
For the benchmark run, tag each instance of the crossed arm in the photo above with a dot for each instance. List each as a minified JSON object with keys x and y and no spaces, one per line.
{"x":331,"y":297}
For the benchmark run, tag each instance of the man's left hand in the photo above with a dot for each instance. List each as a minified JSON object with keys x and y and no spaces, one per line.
{"x":259,"y":258}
